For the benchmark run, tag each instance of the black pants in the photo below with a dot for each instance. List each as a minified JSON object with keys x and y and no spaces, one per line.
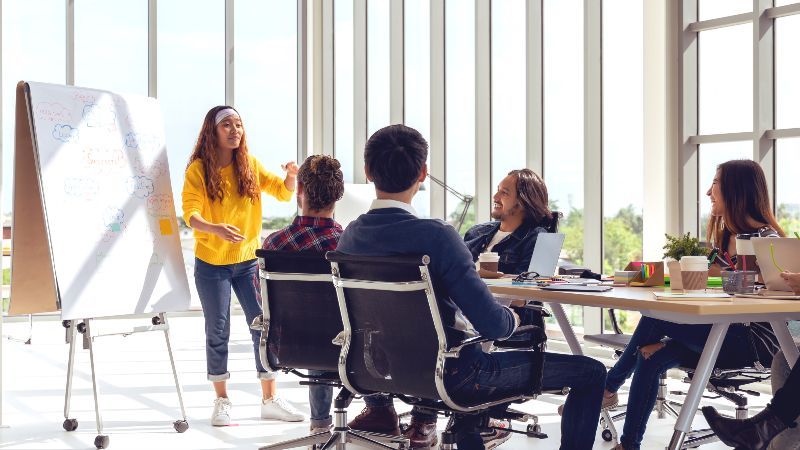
{"x":785,"y":402}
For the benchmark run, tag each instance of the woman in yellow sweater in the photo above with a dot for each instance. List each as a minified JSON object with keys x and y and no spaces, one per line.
{"x":222,"y":203}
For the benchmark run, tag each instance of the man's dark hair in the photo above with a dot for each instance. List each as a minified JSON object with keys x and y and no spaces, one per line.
{"x":394,"y":157}
{"x":532,"y":195}
{"x":322,"y":180}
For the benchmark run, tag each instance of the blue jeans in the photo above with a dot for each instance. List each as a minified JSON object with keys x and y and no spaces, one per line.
{"x":685,"y":344}
{"x":214,"y":283}
{"x":510,"y":372}
{"x":319,"y":398}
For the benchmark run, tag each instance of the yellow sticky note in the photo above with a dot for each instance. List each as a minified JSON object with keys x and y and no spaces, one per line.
{"x":166,"y":226}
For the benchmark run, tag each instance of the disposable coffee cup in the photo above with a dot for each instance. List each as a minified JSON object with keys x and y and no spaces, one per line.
{"x":489,"y":261}
{"x":694,"y":273}
{"x":694,"y":263}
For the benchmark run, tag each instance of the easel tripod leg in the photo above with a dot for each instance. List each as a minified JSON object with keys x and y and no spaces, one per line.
{"x":179,"y":425}
{"x":100,"y":441}
{"x":71,"y":325}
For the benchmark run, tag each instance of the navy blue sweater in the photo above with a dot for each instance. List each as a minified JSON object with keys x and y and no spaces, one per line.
{"x":394,"y":231}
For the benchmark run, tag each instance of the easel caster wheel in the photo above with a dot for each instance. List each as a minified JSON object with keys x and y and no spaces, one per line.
{"x":70,"y":424}
{"x":65,"y":323}
{"x":81,"y":328}
{"x":180,"y":425}
{"x":534,"y":428}
{"x":606,"y":435}
{"x":101,"y":441}
{"x":156,"y":320}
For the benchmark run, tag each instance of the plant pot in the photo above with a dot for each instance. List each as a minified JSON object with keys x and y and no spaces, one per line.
{"x":675,"y":281}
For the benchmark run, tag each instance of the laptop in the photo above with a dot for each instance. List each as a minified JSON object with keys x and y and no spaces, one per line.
{"x":772,"y":253}
{"x":545,"y":254}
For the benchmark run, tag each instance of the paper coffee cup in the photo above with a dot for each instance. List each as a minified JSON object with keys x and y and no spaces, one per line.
{"x":489,"y":261}
{"x":694,"y":263}
{"x":694,"y":280}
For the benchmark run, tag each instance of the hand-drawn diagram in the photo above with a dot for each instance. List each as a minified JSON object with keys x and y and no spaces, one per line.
{"x":140,"y":187}
{"x":81,"y":187}
{"x":98,"y":116}
{"x":113,"y":219}
{"x":52,"y":112}
{"x":160,"y":205}
{"x":65,"y":133}
{"x":104,"y":159}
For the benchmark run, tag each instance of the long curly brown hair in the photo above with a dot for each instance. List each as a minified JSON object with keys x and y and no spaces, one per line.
{"x":206,"y":151}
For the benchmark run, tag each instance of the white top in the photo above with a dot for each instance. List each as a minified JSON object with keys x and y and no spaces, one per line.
{"x":383,"y":203}
{"x":499,"y":236}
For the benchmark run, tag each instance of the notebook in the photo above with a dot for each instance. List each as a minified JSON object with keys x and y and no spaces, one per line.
{"x":545,"y":254}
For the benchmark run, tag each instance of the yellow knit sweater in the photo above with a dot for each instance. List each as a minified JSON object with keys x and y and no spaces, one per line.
{"x":234,"y":210}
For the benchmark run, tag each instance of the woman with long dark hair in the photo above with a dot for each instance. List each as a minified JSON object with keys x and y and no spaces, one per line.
{"x":739,"y":204}
{"x":222,"y":204}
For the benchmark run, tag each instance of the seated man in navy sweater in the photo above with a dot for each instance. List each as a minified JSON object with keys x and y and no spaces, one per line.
{"x":394,"y":160}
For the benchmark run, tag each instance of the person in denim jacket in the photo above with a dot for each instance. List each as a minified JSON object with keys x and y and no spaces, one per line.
{"x":520,"y":211}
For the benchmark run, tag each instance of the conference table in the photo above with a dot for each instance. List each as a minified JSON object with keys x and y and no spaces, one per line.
{"x":720,"y":314}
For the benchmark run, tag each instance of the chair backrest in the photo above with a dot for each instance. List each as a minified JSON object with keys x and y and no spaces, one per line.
{"x":301,"y":310}
{"x":393,"y":331}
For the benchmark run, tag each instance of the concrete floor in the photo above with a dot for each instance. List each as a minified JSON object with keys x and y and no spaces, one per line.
{"x":139,"y":402}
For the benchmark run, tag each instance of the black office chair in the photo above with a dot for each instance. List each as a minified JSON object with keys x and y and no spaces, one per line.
{"x":394,"y":341}
{"x":726,"y":382}
{"x":301,"y":318}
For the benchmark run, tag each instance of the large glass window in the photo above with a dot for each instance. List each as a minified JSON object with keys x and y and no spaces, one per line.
{"x":191,"y":75}
{"x":712,"y":9}
{"x":417,"y":89}
{"x":33,"y":33}
{"x":787,"y":72}
{"x":563,"y":118}
{"x":111,"y":45}
{"x":266,"y":87}
{"x":563,"y":124}
{"x":726,"y":79}
{"x":712,"y":155}
{"x":344,"y":146}
{"x":787,"y":188}
{"x":378,"y":65}
{"x":508,"y":88}
{"x":460,"y":104}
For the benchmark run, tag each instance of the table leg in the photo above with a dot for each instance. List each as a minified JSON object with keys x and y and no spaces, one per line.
{"x":566,"y":328}
{"x":699,"y":381}
{"x":790,"y":351}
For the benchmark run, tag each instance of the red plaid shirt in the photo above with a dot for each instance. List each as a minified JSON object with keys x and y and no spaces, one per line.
{"x":305,"y":233}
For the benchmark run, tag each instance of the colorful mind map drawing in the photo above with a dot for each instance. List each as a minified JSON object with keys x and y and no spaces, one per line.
{"x":142,"y":142}
{"x":140,"y":187}
{"x":113,"y":219}
{"x":81,"y":187}
{"x":160,"y":205}
{"x":152,"y":170}
{"x":104,"y":159}
{"x":52,"y":112}
{"x":65,"y":133}
{"x":97,"y":116}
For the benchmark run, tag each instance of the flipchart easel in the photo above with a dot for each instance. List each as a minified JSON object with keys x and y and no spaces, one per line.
{"x":56,"y":267}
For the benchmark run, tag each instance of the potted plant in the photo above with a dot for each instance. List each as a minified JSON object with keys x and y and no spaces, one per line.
{"x":675,"y":249}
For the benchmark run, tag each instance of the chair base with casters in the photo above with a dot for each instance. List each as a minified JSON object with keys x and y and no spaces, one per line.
{"x":341,"y":435}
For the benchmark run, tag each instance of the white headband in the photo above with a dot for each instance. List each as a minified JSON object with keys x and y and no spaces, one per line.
{"x":222,"y":114}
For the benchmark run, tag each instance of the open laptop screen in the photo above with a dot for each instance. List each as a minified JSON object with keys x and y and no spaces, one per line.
{"x":545,"y":254}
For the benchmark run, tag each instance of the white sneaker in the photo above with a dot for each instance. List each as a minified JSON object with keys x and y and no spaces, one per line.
{"x":221,"y":416}
{"x":279,"y":409}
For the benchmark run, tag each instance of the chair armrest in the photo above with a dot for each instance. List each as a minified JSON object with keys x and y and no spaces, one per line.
{"x":454,"y":351}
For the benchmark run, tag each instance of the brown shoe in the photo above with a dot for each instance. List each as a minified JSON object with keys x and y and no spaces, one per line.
{"x":421,"y":434}
{"x":381,"y":420}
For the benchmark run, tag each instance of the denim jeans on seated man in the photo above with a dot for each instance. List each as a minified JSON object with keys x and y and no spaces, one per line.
{"x":510,"y":371}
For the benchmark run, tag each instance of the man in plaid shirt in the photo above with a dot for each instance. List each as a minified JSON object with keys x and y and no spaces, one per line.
{"x":320,"y":185}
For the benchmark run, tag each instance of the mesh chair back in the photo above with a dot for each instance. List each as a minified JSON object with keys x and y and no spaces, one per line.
{"x":395,"y":335}
{"x":301,"y":306}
